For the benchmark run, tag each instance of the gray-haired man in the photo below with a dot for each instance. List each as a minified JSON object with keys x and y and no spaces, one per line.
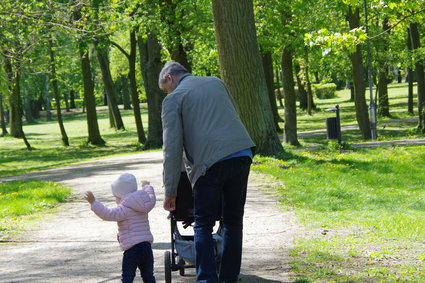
{"x":199,"y":119}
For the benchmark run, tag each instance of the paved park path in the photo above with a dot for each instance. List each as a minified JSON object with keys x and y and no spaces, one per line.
{"x":73,"y":245}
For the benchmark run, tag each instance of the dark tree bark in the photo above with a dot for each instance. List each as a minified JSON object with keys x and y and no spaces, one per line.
{"x":279,"y":93}
{"x":125,"y":93}
{"x":102,"y":56}
{"x":409,"y":78}
{"x":242,"y":72}
{"x":89,"y":98}
{"x":362,"y":117}
{"x":131,"y":57}
{"x":150,"y":64}
{"x":72,"y":98}
{"x":2,"y":120}
{"x":419,"y":65}
{"x":54,"y":81}
{"x":268,"y":72}
{"x":15,"y":102}
{"x":289,"y":92}
{"x":383,"y":100}
{"x":302,"y":93}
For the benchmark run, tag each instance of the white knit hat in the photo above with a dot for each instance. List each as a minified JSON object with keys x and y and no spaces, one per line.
{"x":125,"y":184}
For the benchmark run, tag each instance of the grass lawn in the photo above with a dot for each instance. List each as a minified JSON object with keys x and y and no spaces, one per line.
{"x":23,"y":200}
{"x":370,"y":205}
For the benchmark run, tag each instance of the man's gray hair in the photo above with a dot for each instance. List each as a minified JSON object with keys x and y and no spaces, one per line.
{"x":170,"y":68}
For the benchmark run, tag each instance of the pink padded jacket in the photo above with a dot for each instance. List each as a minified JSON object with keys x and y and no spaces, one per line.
{"x":131,"y":215}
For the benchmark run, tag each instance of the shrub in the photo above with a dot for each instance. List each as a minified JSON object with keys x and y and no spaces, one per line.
{"x":324,"y":91}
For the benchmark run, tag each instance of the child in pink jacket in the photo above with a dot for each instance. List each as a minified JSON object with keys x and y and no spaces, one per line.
{"x":134,"y":234}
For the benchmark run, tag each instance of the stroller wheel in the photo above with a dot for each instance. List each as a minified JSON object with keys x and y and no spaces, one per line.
{"x":167,"y":266}
{"x":181,"y":264}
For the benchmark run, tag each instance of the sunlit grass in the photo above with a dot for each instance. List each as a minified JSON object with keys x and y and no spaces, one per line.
{"x":49,"y":152}
{"x":370,"y":203}
{"x":22,"y":198}
{"x":398,"y":110}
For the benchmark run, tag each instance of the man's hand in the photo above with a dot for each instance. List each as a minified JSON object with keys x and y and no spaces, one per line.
{"x":169,"y":203}
{"x":89,"y":197}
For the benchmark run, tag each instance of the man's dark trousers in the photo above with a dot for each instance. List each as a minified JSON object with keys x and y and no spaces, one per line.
{"x":223,"y":186}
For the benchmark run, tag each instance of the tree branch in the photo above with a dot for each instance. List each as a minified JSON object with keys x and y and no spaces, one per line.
{"x":120,"y":49}
{"x":399,"y":22}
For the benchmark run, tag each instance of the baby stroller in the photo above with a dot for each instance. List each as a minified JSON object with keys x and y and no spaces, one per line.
{"x":182,"y":254}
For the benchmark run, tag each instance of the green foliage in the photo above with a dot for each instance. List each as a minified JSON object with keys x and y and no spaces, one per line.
{"x":324,"y":91}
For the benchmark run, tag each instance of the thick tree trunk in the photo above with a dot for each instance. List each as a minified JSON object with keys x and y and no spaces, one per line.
{"x":54,"y":81}
{"x":302,"y":93}
{"x":150,"y":65}
{"x":102,"y":56}
{"x":141,"y":137}
{"x":242,"y":72}
{"x":419,"y":65}
{"x":2,"y":120}
{"x":89,"y":98}
{"x":289,"y":92}
{"x":268,"y":72}
{"x":358,"y":80}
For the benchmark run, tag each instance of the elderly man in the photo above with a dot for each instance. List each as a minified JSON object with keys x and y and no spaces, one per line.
{"x":200,"y":120}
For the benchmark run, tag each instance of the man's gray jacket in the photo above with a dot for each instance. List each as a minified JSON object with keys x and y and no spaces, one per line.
{"x":199,"y":119}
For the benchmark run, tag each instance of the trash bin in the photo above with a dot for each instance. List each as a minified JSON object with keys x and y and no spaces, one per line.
{"x":332,"y":128}
{"x":333,"y":125}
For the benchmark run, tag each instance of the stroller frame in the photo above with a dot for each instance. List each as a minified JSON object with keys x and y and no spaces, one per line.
{"x":174,"y":261}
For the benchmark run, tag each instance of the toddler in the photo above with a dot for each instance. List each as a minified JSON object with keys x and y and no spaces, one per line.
{"x":134,"y":234}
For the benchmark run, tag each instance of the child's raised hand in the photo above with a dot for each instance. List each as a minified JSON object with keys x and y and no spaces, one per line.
{"x":89,"y":197}
{"x":144,"y":183}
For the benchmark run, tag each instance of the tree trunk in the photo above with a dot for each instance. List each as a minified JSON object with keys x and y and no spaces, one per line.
{"x":102,"y":56}
{"x":2,"y":120}
{"x":15,"y":103}
{"x":47,"y":104}
{"x":27,"y":107}
{"x":358,"y":79}
{"x":65,"y":141}
{"x":72,"y":98}
{"x":289,"y":92}
{"x":150,"y":65}
{"x":302,"y":93}
{"x":133,"y":87}
{"x":279,"y":93}
{"x":384,"y":105}
{"x":242,"y":72}
{"x":268,"y":72}
{"x":125,"y":93}
{"x":89,"y":98}
{"x":419,"y":65}
{"x":409,"y":78}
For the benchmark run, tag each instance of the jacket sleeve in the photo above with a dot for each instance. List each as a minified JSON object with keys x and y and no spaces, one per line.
{"x":148,"y":199}
{"x":173,"y":145}
{"x":109,"y":214}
